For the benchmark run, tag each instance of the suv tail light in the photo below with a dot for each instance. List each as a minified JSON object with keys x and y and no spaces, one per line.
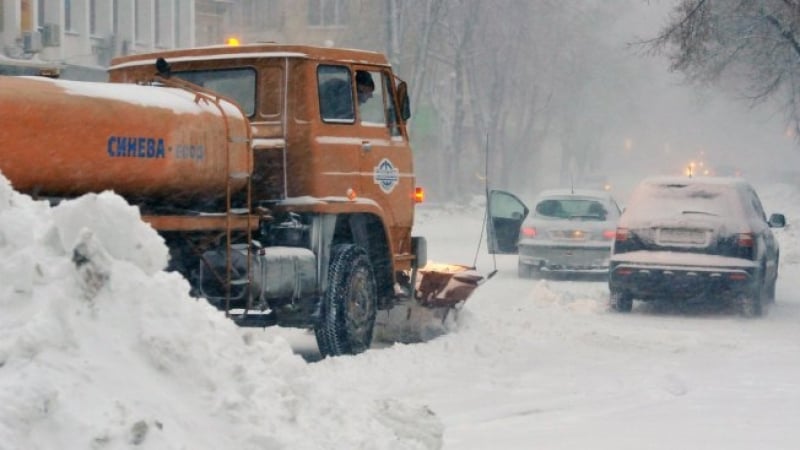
{"x":609,"y":234}
{"x":622,"y":234}
{"x":746,"y":245}
{"x":745,"y":240}
{"x":528,"y":232}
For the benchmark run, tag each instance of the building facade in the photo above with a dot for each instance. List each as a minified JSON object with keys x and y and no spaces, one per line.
{"x":79,"y":37}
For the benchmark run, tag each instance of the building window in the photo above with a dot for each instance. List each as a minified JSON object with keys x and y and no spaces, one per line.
{"x":157,"y":21}
{"x":92,"y":17}
{"x":177,"y":27}
{"x":26,"y":15}
{"x":68,"y":15}
{"x":40,"y":14}
{"x":262,"y":14}
{"x":115,"y":16}
{"x":140,"y":22}
{"x":327,"y":13}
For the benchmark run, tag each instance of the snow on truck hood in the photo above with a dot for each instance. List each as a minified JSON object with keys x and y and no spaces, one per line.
{"x":100,"y":348}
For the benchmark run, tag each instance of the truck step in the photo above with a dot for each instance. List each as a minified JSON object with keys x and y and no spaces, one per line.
{"x":255,"y":319}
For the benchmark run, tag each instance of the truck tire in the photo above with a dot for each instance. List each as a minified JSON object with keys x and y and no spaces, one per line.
{"x":348,"y":308}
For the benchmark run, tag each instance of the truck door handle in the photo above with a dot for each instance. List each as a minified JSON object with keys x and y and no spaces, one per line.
{"x":366,"y":146}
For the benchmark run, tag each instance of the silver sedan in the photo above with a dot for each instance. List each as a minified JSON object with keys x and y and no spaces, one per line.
{"x":568,"y":231}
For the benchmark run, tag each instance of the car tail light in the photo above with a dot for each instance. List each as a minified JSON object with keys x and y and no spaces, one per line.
{"x":528,"y":232}
{"x":622,"y":234}
{"x":745,"y":240}
{"x":609,"y":234}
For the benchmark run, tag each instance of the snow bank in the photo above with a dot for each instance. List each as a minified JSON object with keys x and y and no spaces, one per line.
{"x":100,"y":348}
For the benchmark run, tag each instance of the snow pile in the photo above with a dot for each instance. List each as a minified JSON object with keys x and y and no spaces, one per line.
{"x":99,"y":348}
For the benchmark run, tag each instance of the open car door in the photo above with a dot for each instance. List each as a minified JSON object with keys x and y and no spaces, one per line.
{"x":506,"y":213}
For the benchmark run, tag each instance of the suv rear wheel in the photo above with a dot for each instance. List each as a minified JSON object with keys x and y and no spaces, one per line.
{"x":621,"y":301}
{"x":751,"y":301}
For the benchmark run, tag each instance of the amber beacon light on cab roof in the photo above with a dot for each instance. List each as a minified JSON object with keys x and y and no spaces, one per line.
{"x":280,"y":177}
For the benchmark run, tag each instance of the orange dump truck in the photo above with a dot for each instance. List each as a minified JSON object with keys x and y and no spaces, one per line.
{"x":280,"y":176}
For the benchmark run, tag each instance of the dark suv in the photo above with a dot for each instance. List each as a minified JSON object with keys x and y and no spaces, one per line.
{"x":695,"y":238}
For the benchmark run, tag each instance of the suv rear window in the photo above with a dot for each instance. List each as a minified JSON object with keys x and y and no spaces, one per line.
{"x":675,"y":198}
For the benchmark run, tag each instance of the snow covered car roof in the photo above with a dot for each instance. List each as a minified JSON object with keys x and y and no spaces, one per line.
{"x":657,"y":198}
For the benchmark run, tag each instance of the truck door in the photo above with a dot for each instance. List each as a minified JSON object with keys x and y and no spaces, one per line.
{"x":506,"y":214}
{"x":337,"y":140}
{"x":386,"y":161}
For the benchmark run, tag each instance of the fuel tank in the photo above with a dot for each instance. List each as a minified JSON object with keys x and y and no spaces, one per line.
{"x":63,"y":138}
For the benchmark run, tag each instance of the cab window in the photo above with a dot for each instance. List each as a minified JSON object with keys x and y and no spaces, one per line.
{"x":391,"y":107}
{"x":237,"y":84}
{"x":335,"y":94}
{"x":371,"y":98}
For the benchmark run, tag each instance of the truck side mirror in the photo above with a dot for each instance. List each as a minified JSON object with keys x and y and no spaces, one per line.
{"x":405,"y":104}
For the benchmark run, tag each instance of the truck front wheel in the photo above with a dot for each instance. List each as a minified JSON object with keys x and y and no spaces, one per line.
{"x":349,"y":305}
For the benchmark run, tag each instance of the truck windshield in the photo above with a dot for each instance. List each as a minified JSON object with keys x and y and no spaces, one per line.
{"x":236,"y":84}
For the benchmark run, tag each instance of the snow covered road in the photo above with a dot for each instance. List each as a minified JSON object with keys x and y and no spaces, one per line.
{"x":544,"y":364}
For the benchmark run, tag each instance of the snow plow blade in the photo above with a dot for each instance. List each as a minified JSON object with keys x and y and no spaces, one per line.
{"x":446,"y":285}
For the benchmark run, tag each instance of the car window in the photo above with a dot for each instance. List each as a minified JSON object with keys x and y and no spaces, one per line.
{"x":587,"y":209}
{"x":754,"y":203}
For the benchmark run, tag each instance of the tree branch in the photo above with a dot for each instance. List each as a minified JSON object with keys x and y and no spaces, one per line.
{"x":785,"y":32}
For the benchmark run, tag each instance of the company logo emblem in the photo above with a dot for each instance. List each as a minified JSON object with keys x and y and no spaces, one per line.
{"x":386,"y":175}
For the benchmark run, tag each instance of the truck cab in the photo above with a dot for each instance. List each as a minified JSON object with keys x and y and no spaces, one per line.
{"x":331,"y":172}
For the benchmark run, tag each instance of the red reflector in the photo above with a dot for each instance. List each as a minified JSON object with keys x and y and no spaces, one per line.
{"x":529,"y":232}
{"x":419,"y":195}
{"x":738,"y":276}
{"x":745,"y":240}
{"x":609,"y":234}
{"x":622,"y":234}
{"x":624,"y":271}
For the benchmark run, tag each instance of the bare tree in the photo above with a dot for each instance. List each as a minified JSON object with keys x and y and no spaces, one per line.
{"x":518,"y":72}
{"x":750,"y":45}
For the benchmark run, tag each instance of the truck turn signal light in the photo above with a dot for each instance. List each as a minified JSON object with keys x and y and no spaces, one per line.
{"x":419,"y":195}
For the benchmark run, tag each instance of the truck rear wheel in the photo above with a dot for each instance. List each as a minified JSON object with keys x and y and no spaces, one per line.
{"x":349,"y":305}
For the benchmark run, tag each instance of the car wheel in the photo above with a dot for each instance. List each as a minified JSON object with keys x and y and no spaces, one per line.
{"x":750,"y":302}
{"x":769,"y":295}
{"x":621,"y":301}
{"x":524,"y":270}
